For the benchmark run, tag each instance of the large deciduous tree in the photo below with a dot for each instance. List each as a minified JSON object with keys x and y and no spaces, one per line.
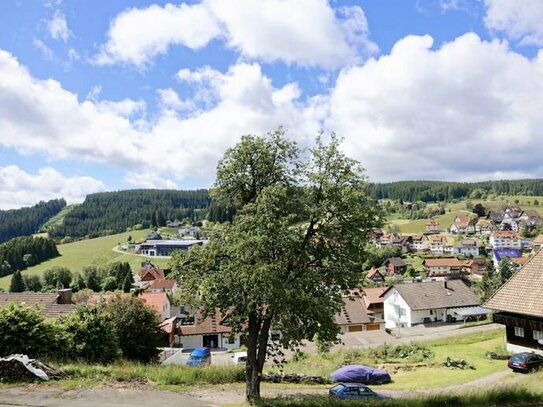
{"x":294,"y":245}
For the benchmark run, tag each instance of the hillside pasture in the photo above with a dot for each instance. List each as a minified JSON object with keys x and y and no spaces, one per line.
{"x":88,"y":252}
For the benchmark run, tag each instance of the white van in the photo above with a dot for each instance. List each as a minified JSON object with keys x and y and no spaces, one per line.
{"x":239,"y":357}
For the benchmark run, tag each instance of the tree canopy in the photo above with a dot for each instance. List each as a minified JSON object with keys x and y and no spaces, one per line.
{"x":293,"y":247}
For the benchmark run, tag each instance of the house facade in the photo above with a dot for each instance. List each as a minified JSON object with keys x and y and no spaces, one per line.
{"x":165,"y":248}
{"x":436,"y":244}
{"x":419,"y":243}
{"x":485,"y":227}
{"x":442,"y":267}
{"x":466,"y":247}
{"x":432,"y":226}
{"x":519,"y":307}
{"x":375,"y":275}
{"x":353,"y":316}
{"x":505,"y":239}
{"x":462,"y":224}
{"x":406,"y":305}
{"x":395,"y":266}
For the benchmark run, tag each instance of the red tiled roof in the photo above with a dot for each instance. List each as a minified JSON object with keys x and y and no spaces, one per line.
{"x":157,"y":301}
{"x":46,"y":302}
{"x":443,"y":262}
{"x":373,"y":295}
{"x":372,"y":273}
{"x":151,"y":273}
{"x":163,"y":283}
{"x":505,"y":234}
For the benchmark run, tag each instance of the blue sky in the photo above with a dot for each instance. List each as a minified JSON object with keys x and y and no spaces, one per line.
{"x":104,"y":95}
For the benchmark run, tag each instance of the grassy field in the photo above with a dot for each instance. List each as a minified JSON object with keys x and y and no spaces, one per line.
{"x":58,"y":218}
{"x":91,"y":252}
{"x":471,"y":347}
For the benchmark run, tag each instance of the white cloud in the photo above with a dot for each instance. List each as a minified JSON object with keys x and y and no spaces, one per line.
{"x":58,"y":27}
{"x":303,"y":32}
{"x":469,"y":109}
{"x":170,"y":100}
{"x":518,"y":20}
{"x":19,"y":188}
{"x":44,"y":49}
{"x":137,"y":36}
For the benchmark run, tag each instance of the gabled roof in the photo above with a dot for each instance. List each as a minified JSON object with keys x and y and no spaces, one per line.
{"x":522,"y":293}
{"x":353,"y":311}
{"x":434,"y":295}
{"x":443,"y":262}
{"x":46,"y":302}
{"x":432,"y":222}
{"x":437,"y":239}
{"x":505,"y":234}
{"x":462,"y":220}
{"x":470,"y":243}
{"x":151,"y":273}
{"x":372,"y":273}
{"x":372,"y":295}
{"x":396,"y":262}
{"x":202,"y":326}
{"x":163,"y":283}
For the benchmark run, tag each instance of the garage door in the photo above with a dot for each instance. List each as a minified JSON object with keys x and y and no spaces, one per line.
{"x":372,"y":327}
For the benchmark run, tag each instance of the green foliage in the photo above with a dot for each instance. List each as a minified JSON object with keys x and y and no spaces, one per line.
{"x":17,"y":284}
{"x":411,"y":352}
{"x":296,"y":242}
{"x":376,"y":257}
{"x":137,"y":325}
{"x":21,"y":252}
{"x":32,"y":283}
{"x":25,"y":330}
{"x":26,"y":221}
{"x":452,"y":363}
{"x":93,"y":335}
{"x":57,"y":277}
{"x":112,"y":212}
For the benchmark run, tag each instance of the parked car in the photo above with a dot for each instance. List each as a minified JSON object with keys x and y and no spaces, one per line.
{"x":346,"y":391}
{"x":525,"y":362}
{"x":239,"y":357}
{"x":199,"y":357}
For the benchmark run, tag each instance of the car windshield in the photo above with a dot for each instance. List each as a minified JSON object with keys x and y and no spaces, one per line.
{"x":337,"y":388}
{"x":518,"y":358}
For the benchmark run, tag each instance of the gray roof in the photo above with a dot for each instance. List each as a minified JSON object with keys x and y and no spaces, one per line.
{"x":46,"y":302}
{"x":353,"y":311}
{"x":434,"y":295}
{"x":396,"y":261}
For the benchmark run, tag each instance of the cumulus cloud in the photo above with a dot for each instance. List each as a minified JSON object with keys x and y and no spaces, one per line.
{"x":19,"y":188}
{"x":303,"y":32}
{"x":137,"y":36}
{"x":58,"y":27}
{"x":518,"y":20}
{"x":469,"y":109}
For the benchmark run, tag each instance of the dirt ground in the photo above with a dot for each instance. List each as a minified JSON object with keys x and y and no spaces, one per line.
{"x":142,"y":395}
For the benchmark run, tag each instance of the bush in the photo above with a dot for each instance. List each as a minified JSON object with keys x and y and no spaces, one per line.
{"x":137,"y":324}
{"x":92,"y":333}
{"x":24,"y":330}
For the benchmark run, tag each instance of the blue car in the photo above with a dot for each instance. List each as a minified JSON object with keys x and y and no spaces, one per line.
{"x":347,"y":391}
{"x":199,"y":357}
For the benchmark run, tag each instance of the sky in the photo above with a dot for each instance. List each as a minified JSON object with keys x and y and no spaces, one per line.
{"x":111,"y":95}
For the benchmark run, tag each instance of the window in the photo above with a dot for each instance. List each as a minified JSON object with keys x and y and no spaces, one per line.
{"x":402,"y":312}
{"x":519,"y":331}
{"x":538,"y":335}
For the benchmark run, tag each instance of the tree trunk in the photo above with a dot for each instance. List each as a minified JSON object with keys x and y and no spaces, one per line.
{"x":257,"y":343}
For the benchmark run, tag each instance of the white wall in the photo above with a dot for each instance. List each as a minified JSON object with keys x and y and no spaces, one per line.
{"x":192,"y":341}
{"x":392,"y":303}
{"x":227,"y":345}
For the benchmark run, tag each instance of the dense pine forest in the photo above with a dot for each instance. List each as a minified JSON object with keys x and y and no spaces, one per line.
{"x":113,"y":212}
{"x":26,"y":221}
{"x":22,"y":252}
{"x":434,"y":191}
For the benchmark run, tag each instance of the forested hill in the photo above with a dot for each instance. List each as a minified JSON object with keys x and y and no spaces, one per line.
{"x":112,"y":212}
{"x":26,"y":221}
{"x":431,"y":191}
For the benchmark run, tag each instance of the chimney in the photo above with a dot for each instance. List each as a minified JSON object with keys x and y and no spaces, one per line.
{"x":64,"y":296}
{"x":445,"y":284}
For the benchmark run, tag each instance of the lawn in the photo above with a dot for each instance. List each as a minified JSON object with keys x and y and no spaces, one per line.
{"x":91,"y":252}
{"x":471,"y":347}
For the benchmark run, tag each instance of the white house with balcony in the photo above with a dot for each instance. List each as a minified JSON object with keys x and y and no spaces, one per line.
{"x":410,"y":304}
{"x":505,"y":239}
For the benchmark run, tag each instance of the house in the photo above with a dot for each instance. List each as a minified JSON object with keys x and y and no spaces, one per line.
{"x":520,"y":308}
{"x":374,"y":236}
{"x":495,"y":216}
{"x":436,"y":244}
{"x":485,"y":226}
{"x":462,"y":224}
{"x":513,"y":211}
{"x":163,"y":285}
{"x":354,"y":318}
{"x":475,"y":267}
{"x":537,"y":243}
{"x":193,"y":231}
{"x":432,"y":226}
{"x":149,"y":273}
{"x":499,"y":254}
{"x":406,"y":305}
{"x":419,"y":242}
{"x":394,"y":266}
{"x":531,"y":219}
{"x":466,"y":247}
{"x":375,"y":275}
{"x":404,"y":242}
{"x":509,"y":223}
{"x":165,"y":247}
{"x":373,"y":301}
{"x":505,"y":239}
{"x":211,"y":331}
{"x":386,"y":239}
{"x":159,"y":302}
{"x":442,"y":267}
{"x":153,"y":236}
{"x":174,"y":224}
{"x":51,"y":305}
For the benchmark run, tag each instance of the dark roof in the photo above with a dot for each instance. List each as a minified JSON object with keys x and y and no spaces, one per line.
{"x":501,"y":253}
{"x":522,"y":293}
{"x":396,"y":261}
{"x":353,"y":311}
{"x":210,"y":325}
{"x":46,"y":302}
{"x":434,"y":295}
